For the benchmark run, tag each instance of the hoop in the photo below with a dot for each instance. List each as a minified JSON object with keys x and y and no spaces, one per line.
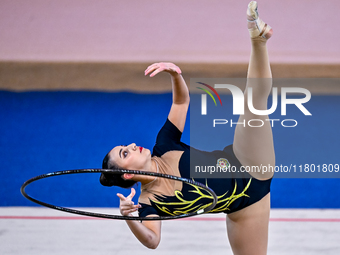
{"x":119,"y":171}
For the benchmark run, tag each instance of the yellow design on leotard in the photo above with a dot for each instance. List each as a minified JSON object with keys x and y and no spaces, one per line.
{"x":187,"y":206}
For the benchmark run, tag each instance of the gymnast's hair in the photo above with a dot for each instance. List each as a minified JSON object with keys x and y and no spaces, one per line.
{"x":110,"y":179}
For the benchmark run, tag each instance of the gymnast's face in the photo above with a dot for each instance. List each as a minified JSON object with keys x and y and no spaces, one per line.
{"x":131,"y":157}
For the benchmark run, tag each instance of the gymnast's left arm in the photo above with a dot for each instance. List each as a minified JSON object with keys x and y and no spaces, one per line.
{"x":180,"y":92}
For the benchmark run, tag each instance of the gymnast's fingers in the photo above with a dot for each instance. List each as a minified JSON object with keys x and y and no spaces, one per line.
{"x":160,"y":67}
{"x":129,"y":207}
{"x":157,"y":71}
{"x":151,"y":68}
{"x":121,"y":197}
{"x":126,"y":212}
{"x":132,"y":194}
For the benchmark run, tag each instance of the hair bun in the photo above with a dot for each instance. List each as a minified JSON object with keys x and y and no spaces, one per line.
{"x":107,"y":180}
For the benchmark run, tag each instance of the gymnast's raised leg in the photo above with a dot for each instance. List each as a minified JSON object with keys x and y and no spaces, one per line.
{"x":253,"y":146}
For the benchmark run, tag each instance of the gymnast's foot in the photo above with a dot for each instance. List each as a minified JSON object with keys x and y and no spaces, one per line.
{"x":256,"y":27}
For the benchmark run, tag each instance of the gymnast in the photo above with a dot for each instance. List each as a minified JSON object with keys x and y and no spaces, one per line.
{"x":245,"y":201}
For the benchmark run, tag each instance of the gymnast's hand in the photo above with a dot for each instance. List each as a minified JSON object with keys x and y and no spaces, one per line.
{"x":156,"y":68}
{"x":126,"y":204}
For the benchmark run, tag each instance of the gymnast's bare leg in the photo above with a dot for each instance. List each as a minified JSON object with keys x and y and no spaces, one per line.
{"x":253,"y":146}
{"x":248,"y":228}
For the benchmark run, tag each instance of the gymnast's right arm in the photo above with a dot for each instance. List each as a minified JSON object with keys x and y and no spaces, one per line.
{"x":147,"y":232}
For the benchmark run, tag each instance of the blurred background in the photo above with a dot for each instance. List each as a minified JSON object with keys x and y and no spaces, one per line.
{"x":72,"y":86}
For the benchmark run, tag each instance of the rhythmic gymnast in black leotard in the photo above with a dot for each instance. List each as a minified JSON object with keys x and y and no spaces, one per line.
{"x":248,"y":206}
{"x":233,"y":193}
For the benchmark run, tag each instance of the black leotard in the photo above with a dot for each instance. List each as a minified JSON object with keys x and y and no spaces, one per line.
{"x":233,"y":194}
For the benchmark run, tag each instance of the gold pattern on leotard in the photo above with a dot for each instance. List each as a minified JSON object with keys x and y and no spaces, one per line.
{"x":186,"y":206}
